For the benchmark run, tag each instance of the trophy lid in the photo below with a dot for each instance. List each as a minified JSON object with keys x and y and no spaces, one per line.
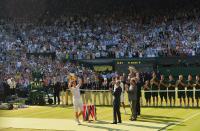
{"x":132,"y":68}
{"x":72,"y":74}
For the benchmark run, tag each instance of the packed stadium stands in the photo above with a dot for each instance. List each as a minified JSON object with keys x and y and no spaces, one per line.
{"x":121,"y":34}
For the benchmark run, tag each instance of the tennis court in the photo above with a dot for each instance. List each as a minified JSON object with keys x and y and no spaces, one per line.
{"x":61,"y":118}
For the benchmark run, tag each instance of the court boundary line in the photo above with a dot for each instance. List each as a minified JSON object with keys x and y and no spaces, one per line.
{"x":70,"y":120}
{"x":174,"y":124}
{"x":35,"y":113}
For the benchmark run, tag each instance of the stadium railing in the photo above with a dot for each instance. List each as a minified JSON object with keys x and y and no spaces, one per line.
{"x":104,"y":97}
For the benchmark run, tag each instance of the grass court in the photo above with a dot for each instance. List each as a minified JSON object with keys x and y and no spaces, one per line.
{"x":158,"y":118}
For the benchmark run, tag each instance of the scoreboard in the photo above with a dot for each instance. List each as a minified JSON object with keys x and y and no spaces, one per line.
{"x":121,"y":66}
{"x":128,"y":62}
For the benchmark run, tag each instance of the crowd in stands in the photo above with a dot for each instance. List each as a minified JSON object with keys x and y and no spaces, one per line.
{"x":93,"y":37}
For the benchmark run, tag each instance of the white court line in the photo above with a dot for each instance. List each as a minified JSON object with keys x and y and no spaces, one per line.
{"x":68,"y":124}
{"x":178,"y":123}
{"x":36,"y":113}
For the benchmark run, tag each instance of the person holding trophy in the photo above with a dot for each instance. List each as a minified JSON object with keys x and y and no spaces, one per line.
{"x":77,"y":101}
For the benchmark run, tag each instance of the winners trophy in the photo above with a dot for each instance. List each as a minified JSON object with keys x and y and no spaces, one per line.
{"x":73,"y":78}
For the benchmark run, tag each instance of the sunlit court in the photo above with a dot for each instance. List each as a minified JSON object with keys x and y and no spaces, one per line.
{"x":99,"y":65}
{"x":51,"y":117}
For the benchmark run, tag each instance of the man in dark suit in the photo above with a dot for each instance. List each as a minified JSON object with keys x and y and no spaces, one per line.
{"x":5,"y":88}
{"x":139,"y":84}
{"x":56,"y":94}
{"x":116,"y":103}
{"x":132,"y":96}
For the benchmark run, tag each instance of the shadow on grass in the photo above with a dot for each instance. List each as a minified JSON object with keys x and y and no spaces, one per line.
{"x":102,"y":127}
{"x":170,"y":121}
{"x":154,"y":116}
{"x":101,"y":122}
{"x":142,"y":126}
{"x":158,"y":119}
{"x":172,"y":128}
{"x":59,"y":106}
{"x":165,"y":128}
{"x":98,"y":124}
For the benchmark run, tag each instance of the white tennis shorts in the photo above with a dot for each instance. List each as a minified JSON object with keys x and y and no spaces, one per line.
{"x":78,"y":105}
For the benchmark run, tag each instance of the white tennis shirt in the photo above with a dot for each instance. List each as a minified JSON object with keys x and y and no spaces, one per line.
{"x":76,"y":93}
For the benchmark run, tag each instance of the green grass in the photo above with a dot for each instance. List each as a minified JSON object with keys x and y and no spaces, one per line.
{"x":164,"y":115}
{"x":192,"y":124}
{"x":155,"y":115}
{"x":14,"y":129}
